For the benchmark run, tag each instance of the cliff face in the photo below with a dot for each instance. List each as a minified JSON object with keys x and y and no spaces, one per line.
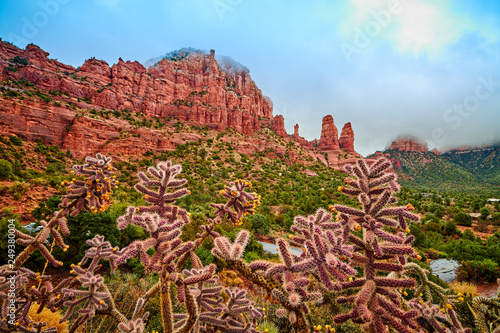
{"x":193,"y":89}
{"x":98,"y":108}
{"x":407,"y":144}
{"x":278,"y":126}
{"x":329,"y":139}
{"x":346,"y":140}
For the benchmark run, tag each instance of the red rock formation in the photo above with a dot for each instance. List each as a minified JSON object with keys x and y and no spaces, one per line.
{"x":194,"y":89}
{"x":346,"y":140}
{"x":278,"y":126}
{"x":407,"y":144}
{"x":297,"y":138}
{"x":329,"y":139}
{"x":436,"y":151}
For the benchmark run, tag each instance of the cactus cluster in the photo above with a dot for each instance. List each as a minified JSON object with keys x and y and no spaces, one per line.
{"x":364,"y":250}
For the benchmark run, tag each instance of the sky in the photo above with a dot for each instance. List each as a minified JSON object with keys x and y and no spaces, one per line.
{"x":427,"y":68}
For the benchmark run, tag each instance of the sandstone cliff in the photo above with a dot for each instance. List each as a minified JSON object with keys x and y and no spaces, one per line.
{"x":193,"y":90}
{"x":329,"y":139}
{"x":346,"y":140}
{"x":129,"y":110}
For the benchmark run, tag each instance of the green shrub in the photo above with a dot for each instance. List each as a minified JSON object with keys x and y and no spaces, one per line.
{"x":429,"y":218}
{"x":462,"y":218}
{"x":432,"y":226}
{"x":18,"y":190}
{"x":481,"y":271}
{"x":260,"y":224}
{"x":484,"y":213}
{"x":450,"y":228}
{"x":469,"y":235}
{"x":16,"y":141}
{"x":5,"y":169}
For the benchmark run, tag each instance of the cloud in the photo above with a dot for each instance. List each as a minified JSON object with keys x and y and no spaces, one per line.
{"x":421,"y":27}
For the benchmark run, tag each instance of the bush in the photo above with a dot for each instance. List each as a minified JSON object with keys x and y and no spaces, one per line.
{"x":18,"y":190}
{"x":260,"y":224}
{"x":16,"y":141}
{"x":484,"y":213}
{"x":450,"y":228}
{"x":5,"y":170}
{"x":481,"y":271}
{"x":462,"y":218}
{"x":469,"y":235}
{"x":433,"y":226}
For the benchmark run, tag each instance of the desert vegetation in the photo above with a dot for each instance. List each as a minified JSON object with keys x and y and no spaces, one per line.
{"x":357,"y":260}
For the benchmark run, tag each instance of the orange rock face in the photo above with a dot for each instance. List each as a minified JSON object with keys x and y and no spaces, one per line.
{"x":346,"y":140}
{"x":329,"y":139}
{"x":193,"y":89}
{"x":297,"y":138}
{"x":409,"y":144}
{"x":73,"y":105}
{"x":278,"y":126}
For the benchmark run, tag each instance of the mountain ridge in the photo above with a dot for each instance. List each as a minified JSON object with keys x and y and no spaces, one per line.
{"x":124,"y":108}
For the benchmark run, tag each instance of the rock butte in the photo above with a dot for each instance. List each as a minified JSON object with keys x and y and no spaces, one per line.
{"x":193,"y":90}
{"x":407,"y":144}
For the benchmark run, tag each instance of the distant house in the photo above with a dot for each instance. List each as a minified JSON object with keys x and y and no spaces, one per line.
{"x":429,"y":195}
{"x":492,"y":200}
{"x":475,"y":216}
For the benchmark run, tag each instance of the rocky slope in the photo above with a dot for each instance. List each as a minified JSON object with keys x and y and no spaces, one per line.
{"x":462,"y":170}
{"x":128,"y":109}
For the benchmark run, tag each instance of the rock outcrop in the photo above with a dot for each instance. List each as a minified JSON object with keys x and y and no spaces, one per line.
{"x":329,"y":139}
{"x":278,"y":126}
{"x":297,"y":138}
{"x":407,"y":144}
{"x":346,"y":140}
{"x":193,"y":89}
{"x":123,"y":109}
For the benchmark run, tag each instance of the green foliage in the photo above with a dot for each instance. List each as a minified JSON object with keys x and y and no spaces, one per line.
{"x":483,"y":271}
{"x":450,"y":228}
{"x":462,"y":218}
{"x":432,"y":226}
{"x":429,"y":218}
{"x":484,"y":213}
{"x":260,"y":224}
{"x":5,"y":170}
{"x":19,"y":60}
{"x":85,"y":226}
{"x":47,"y":208}
{"x":469,"y":235}
{"x":18,"y":190}
{"x":15,"y":140}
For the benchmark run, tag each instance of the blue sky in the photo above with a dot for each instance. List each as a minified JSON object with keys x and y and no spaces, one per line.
{"x":419,"y":67}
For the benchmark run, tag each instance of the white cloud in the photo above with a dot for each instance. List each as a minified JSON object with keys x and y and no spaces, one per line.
{"x":422,"y":26}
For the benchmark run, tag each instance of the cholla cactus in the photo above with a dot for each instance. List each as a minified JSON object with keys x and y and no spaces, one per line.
{"x":240,"y":202}
{"x":373,"y":237}
{"x":487,"y":313}
{"x":377,"y":305}
{"x":443,"y":320}
{"x":89,"y":194}
{"x":92,"y":192}
{"x":212,"y":312}
{"x":92,"y":299}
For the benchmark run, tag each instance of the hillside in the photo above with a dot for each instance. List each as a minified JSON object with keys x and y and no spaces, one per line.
{"x":481,"y":161}
{"x":131,"y":110}
{"x":470,"y":172}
